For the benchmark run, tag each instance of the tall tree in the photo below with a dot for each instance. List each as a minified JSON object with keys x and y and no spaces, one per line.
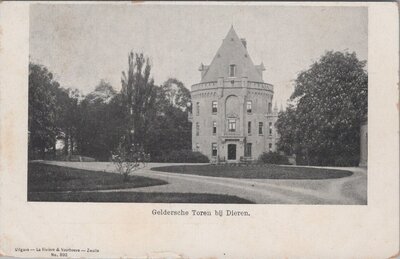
{"x":103,"y":92}
{"x":139,"y":96}
{"x":169,"y":129}
{"x":101,"y":122}
{"x":176,"y":93}
{"x":330,"y":101}
{"x":42,"y":122}
{"x":68,"y":117}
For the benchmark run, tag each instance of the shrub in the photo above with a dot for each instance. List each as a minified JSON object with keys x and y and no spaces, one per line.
{"x":128,"y":161}
{"x":182,"y":156}
{"x":273,"y":158}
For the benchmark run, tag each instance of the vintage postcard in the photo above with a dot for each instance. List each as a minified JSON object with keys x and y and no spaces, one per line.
{"x":199,"y":130}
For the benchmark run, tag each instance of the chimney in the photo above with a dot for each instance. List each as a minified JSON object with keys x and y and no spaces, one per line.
{"x":244,"y":42}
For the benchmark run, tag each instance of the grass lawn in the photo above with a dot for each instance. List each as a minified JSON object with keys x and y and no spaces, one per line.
{"x":256,"y":171}
{"x":136,"y":197}
{"x":51,"y":178}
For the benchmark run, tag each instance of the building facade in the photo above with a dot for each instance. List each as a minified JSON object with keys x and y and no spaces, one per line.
{"x":232,"y":113}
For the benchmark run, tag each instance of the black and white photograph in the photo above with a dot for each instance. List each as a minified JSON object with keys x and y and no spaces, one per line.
{"x":199,"y":130}
{"x":223,"y":104}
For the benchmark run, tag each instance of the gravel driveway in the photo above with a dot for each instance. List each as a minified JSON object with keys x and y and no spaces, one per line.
{"x":347,"y":190}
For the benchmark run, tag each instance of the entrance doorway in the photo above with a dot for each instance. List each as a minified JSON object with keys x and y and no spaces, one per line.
{"x":231,"y":151}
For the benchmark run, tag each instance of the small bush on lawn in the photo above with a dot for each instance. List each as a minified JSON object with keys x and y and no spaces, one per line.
{"x":182,"y":156}
{"x":273,"y":158}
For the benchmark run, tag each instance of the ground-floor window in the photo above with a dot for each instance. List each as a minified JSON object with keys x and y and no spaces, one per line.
{"x":248,"y":150}
{"x":270,"y":147}
{"x":214,"y":149}
{"x":197,"y":147}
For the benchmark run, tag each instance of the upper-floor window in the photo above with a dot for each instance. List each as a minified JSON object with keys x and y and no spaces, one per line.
{"x":249,"y":127}
{"x":214,"y":127}
{"x":232,"y":70}
{"x":269,"y":107}
{"x":232,"y":125}
{"x":214,"y":150}
{"x":197,"y":147}
{"x":197,"y":129}
{"x":197,"y":108}
{"x":214,"y":107}
{"x":270,"y":128}
{"x":260,"y":128}
{"x":270,"y":147}
{"x":248,"y":107}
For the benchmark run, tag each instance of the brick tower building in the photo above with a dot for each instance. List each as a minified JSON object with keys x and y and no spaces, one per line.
{"x":233,"y":117}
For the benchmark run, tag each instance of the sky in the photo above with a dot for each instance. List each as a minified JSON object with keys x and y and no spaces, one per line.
{"x":84,"y":43}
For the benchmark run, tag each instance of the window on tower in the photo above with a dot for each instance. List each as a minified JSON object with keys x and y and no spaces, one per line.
{"x":197,"y":129}
{"x":270,"y":128}
{"x":214,"y":107}
{"x":214,"y":150}
{"x":249,"y":127}
{"x":269,"y":107}
{"x":260,"y":128}
{"x":214,"y":127}
{"x":248,"y":107}
{"x":197,"y":108}
{"x":232,"y":125}
{"x":232,"y":70}
{"x":248,"y":150}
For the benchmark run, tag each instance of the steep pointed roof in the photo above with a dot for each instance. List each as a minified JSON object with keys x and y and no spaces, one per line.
{"x":232,"y":52}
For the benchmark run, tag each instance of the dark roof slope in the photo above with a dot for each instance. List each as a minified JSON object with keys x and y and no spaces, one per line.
{"x":232,"y":51}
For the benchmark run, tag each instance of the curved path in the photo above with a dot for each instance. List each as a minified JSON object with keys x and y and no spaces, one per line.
{"x":347,"y":190}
